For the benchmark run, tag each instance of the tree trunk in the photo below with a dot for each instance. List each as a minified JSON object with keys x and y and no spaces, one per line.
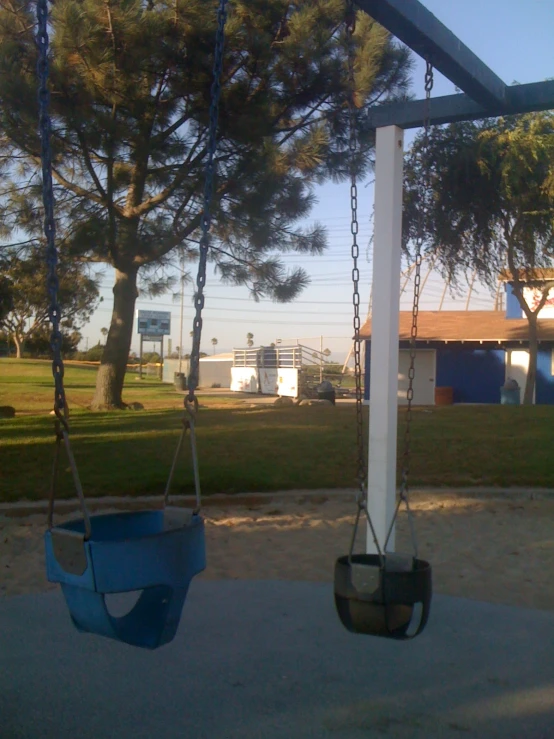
{"x":532,"y":371}
{"x":18,"y":345}
{"x":113,"y":365}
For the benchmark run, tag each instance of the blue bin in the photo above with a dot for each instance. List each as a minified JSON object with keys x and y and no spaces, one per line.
{"x":510,"y":396}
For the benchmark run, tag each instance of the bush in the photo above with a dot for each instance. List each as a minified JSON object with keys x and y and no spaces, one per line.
{"x":94,"y":354}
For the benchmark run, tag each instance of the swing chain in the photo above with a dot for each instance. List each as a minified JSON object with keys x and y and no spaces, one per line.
{"x":61,"y":424}
{"x":191,"y":401}
{"x":48,"y":200}
{"x":355,"y":253}
{"x":204,"y":246}
{"x":422,"y":219}
{"x":361,"y":495}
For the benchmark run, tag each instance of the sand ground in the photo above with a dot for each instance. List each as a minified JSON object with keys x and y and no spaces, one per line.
{"x":493,"y":549}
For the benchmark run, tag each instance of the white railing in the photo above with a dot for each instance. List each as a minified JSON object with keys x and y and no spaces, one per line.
{"x":295,"y":356}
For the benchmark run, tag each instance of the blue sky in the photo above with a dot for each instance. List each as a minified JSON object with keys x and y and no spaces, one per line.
{"x":515,"y":39}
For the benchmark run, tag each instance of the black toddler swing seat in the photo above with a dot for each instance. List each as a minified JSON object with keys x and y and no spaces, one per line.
{"x":380,"y":595}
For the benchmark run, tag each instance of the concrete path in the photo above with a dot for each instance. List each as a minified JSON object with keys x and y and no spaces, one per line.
{"x":269,"y":660}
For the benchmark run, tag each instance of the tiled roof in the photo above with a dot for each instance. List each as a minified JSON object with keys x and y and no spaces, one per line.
{"x":467,"y":326}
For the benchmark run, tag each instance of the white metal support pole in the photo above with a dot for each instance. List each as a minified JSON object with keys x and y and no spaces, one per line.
{"x":384,"y":333}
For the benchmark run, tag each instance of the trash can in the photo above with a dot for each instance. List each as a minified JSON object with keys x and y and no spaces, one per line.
{"x":325,"y":391}
{"x":180,"y":381}
{"x":444,"y":396}
{"x":510,"y":393}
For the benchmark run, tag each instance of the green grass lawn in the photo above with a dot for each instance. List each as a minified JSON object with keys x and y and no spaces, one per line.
{"x":248,"y":449}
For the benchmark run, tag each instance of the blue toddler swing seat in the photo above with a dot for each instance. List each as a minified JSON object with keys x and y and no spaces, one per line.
{"x":157,"y":552}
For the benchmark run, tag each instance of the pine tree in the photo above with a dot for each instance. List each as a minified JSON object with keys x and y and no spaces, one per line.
{"x":130,"y":85}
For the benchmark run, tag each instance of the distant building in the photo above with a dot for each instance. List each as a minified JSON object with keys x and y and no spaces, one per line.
{"x":468,"y":355}
{"x":215,"y":370}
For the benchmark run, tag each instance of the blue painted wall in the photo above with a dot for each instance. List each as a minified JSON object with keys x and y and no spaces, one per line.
{"x":476,"y":375}
{"x":544,"y":389}
{"x":513,"y":308}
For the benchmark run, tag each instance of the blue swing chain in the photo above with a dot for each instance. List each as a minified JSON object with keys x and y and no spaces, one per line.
{"x":191,"y":401}
{"x":60,"y":403}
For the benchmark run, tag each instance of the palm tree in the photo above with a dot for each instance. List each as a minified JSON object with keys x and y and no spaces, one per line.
{"x":214,"y":344}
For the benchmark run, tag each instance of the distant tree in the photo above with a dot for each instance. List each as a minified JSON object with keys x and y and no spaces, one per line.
{"x":327,"y":352}
{"x":491,"y":207}
{"x":6,"y":296}
{"x":94,"y":354}
{"x":38,"y":344}
{"x":250,"y":339}
{"x":130,"y":84}
{"x":214,"y":344}
{"x":78,"y":297}
{"x":104,"y":332}
{"x":150,"y":358}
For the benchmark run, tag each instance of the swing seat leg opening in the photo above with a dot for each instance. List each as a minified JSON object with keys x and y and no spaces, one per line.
{"x":152,"y":622}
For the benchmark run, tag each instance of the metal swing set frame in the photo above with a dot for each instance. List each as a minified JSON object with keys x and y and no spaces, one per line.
{"x":159,"y":552}
{"x":383,"y":603}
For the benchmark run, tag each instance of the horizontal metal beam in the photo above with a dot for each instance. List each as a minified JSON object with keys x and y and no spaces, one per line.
{"x":418,"y":28}
{"x":452,"y":108}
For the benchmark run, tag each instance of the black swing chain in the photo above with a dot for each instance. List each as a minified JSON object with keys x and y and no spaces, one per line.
{"x":60,"y":404}
{"x":191,"y":401}
{"x":355,"y":253}
{"x":361,"y":495}
{"x":204,"y":247}
{"x":420,"y":238}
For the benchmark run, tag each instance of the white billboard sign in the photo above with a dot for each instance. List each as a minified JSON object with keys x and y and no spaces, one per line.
{"x":154,"y":323}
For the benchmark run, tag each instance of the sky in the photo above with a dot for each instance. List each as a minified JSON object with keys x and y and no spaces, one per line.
{"x":512,"y":37}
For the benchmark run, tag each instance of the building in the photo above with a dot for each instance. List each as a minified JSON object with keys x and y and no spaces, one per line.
{"x":215,"y":370}
{"x":472,"y":352}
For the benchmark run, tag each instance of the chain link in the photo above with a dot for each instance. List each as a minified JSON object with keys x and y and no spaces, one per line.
{"x":61,"y":425}
{"x":206,"y":214}
{"x":361,"y":496}
{"x":355,"y":253}
{"x":48,"y":201}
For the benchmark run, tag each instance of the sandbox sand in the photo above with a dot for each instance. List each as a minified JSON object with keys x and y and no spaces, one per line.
{"x":498,"y":550}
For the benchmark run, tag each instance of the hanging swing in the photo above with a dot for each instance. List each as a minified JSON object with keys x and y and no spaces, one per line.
{"x":383,"y":594}
{"x":157,"y":552}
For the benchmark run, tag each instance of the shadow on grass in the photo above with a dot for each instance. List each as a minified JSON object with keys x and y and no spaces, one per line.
{"x":128,"y":463}
{"x":129,"y":453}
